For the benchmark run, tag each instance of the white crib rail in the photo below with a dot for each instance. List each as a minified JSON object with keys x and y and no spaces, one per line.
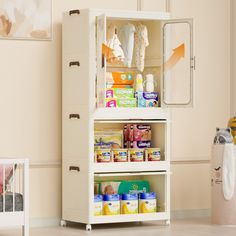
{"x":16,"y":218}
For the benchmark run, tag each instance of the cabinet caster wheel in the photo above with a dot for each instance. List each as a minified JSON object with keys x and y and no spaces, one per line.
{"x":63,"y":223}
{"x":167,"y":222}
{"x":88,"y":227}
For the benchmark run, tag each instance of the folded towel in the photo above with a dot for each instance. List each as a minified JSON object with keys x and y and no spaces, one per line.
{"x":228,"y":171}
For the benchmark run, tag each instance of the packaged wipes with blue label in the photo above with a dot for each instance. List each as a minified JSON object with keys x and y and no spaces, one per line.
{"x":147,"y":99}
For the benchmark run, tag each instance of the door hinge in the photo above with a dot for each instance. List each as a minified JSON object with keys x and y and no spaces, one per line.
{"x":193,"y":63}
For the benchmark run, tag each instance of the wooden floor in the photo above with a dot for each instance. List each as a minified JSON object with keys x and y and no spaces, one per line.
{"x":177,"y":228}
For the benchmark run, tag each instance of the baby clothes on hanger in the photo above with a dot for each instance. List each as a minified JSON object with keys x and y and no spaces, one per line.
{"x":114,"y":43}
{"x":126,"y":36}
{"x":140,"y":42}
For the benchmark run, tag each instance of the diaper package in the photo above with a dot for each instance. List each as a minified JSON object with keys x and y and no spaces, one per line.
{"x":124,"y":186}
{"x":141,"y":132}
{"x":124,"y":78}
{"x":111,"y":187}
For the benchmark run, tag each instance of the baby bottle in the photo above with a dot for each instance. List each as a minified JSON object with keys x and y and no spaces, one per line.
{"x":149,"y":83}
{"x":139,"y":83}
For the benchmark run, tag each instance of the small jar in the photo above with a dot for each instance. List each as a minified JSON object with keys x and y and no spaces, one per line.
{"x":136,"y":154}
{"x":120,"y":155}
{"x":103,"y":155}
{"x":153,"y":154}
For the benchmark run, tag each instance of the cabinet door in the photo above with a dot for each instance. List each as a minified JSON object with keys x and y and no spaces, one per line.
{"x":101,"y":62}
{"x":177,"y":63}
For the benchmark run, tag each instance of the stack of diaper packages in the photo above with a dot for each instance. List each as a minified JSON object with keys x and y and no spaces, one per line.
{"x":137,"y":136}
{"x":119,"y":89}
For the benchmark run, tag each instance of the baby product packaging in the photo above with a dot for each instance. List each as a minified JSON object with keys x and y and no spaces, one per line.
{"x":133,"y":186}
{"x":124,"y":186}
{"x":109,"y":86}
{"x":125,"y":133}
{"x":147,"y":202}
{"x":120,"y":102}
{"x":141,"y":132}
{"x":98,"y":205}
{"x":108,"y":139}
{"x":147,"y":99}
{"x":111,"y":204}
{"x":129,"y":203}
{"x":109,"y":187}
{"x":120,"y":93}
{"x":140,"y":144}
{"x":124,"y":78}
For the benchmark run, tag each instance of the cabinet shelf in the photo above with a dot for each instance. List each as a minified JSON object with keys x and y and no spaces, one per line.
{"x":130,"y":113}
{"x":131,"y":218}
{"x":115,"y":167}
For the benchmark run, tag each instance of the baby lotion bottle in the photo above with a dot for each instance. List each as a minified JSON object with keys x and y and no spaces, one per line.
{"x":139,"y":83}
{"x":149,"y":83}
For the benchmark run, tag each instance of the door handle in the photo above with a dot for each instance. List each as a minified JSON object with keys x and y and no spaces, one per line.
{"x":76,"y":11}
{"x":74,"y":168}
{"x":75,"y":116}
{"x":74,"y":63}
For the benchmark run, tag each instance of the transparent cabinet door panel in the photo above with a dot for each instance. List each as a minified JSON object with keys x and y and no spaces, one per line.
{"x":178,"y":63}
{"x":101,"y":62}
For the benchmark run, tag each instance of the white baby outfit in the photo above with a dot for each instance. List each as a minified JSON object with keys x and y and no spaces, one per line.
{"x":141,"y":42}
{"x":126,"y":36}
{"x":114,"y":43}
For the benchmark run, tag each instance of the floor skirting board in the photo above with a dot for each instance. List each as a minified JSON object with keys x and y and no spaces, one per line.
{"x":190,"y":214}
{"x":44,"y":222}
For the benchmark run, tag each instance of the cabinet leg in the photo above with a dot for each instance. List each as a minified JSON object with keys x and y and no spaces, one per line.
{"x":88,"y":227}
{"x":63,"y":223}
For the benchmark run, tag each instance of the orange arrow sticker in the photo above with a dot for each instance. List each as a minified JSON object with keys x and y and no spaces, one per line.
{"x":178,"y":53}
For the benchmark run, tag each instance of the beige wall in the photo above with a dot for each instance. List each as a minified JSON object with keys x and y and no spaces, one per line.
{"x":30,"y":101}
{"x":233,"y":58}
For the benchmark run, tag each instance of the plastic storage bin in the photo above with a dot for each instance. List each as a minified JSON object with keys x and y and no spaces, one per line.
{"x":223,"y":211}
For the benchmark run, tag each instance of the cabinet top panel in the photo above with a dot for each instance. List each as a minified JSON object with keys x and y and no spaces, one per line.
{"x":123,"y":14}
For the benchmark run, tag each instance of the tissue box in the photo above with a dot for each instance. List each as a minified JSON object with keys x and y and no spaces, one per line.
{"x":120,"y":93}
{"x":147,"y":99}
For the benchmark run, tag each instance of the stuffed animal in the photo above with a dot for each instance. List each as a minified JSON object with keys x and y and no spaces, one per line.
{"x":223,"y":136}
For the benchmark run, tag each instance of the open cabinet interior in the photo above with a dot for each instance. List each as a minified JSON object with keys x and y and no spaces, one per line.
{"x":128,"y":184}
{"x":133,"y":137}
{"x":146,"y":63}
{"x":139,"y":45}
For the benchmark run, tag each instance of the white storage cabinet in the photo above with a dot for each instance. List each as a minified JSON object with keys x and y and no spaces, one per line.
{"x":84,"y":109}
